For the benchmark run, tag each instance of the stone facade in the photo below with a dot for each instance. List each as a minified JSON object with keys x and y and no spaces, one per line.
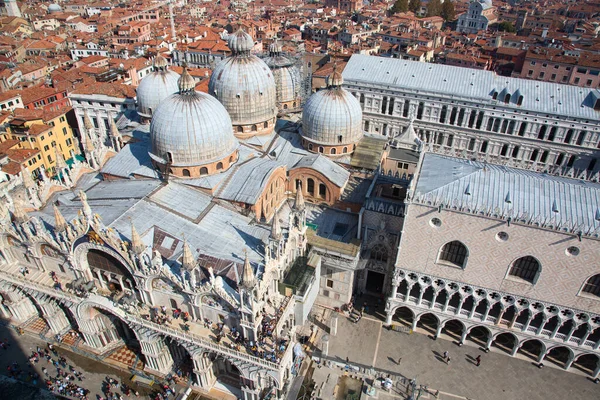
{"x":489,"y":130}
{"x":479,"y":297}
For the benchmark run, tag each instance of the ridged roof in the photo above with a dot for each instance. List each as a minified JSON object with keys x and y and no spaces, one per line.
{"x":472,"y":85}
{"x":543,"y":200}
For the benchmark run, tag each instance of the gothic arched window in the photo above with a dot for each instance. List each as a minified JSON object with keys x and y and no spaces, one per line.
{"x":455,"y":253}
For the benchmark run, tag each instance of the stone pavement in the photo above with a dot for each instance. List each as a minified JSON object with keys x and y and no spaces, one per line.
{"x":500,"y":377}
{"x":93,"y":371}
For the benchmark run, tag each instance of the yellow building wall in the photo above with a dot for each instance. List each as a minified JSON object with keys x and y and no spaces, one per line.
{"x":60,"y":135}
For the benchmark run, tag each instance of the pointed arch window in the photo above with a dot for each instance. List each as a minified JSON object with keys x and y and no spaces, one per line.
{"x":592,"y":286}
{"x":526,"y":268}
{"x":454,"y":253}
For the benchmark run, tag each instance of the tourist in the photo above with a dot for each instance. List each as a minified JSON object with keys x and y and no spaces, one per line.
{"x":478,"y":360}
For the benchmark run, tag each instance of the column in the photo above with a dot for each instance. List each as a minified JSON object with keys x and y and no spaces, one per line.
{"x":463,"y":337}
{"x":569,"y":361}
{"x":157,"y":352}
{"x":515,"y":348}
{"x":472,"y":312}
{"x":388,"y":318}
{"x":570,"y":334}
{"x":544,"y":320}
{"x":421,"y":292}
{"x":394,"y":291}
{"x":488,"y":307}
{"x":488,"y":345}
{"x":250,"y":394}
{"x":499,"y":319}
{"x":596,"y":371}
{"x":438,"y":330}
{"x":585,"y":335}
{"x":555,"y":331}
{"x":540,"y":358}
{"x":513,"y":320}
{"x":432,"y":305}
{"x":448,"y":297}
{"x":55,"y":317}
{"x":460,"y":305}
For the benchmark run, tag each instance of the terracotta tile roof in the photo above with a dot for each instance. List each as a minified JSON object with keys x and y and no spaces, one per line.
{"x":12,"y":168}
{"x":21,"y":155}
{"x":108,"y":89}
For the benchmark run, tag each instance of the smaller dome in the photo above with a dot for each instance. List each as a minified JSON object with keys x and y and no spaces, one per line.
{"x":54,"y":8}
{"x":155,"y":87}
{"x":240,"y":42}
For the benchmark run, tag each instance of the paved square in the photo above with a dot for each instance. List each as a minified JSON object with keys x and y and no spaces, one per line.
{"x":500,"y":377}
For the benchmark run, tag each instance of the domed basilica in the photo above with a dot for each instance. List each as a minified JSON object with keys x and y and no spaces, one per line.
{"x":204,"y":213}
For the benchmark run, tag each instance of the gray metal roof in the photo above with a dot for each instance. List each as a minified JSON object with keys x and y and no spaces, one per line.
{"x":194,"y":128}
{"x":249,"y":180}
{"x":472,"y":85}
{"x":525,"y":196}
{"x":334,"y":172}
{"x":332,"y":116}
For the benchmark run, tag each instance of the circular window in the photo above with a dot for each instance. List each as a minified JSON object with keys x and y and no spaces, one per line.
{"x":435,"y":222}
{"x":573,"y":251}
{"x":502,"y":236}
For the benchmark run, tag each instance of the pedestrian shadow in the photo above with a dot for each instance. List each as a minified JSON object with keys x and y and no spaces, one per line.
{"x":470,"y":359}
{"x":392,"y":360}
{"x":438,"y":356}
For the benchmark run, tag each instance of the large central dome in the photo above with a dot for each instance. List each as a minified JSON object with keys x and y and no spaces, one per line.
{"x":244,"y":84}
{"x":332,"y":119}
{"x":191,"y":133}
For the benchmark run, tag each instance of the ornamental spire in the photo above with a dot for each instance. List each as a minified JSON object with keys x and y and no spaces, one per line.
{"x":275,"y":228}
{"x":188,"y":260}
{"x":87,"y":122}
{"x":137,"y":245}
{"x":60,"y":223}
{"x":248,"y":279}
{"x":299,"y":203}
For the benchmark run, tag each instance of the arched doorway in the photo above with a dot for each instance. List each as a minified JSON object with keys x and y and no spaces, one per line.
{"x":183,"y":364}
{"x":106,"y":333}
{"x":479,"y":335}
{"x":505,"y":342}
{"x":228,"y":376}
{"x":454,"y":328}
{"x":404,"y":315}
{"x":533,"y":349}
{"x":109,"y":273}
{"x":587,"y":363}
{"x":559,"y":355}
{"x":428,"y":322}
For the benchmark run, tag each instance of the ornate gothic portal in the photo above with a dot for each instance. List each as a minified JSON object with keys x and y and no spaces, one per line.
{"x":109,"y":273}
{"x":104,"y":331}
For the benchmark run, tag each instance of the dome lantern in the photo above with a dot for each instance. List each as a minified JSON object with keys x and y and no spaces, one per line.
{"x":186,"y":83}
{"x":240,"y":42}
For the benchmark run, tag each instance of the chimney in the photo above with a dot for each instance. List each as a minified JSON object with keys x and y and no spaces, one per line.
{"x":544,"y":32}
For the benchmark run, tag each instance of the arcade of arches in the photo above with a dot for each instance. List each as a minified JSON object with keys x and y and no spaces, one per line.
{"x":513,"y":325}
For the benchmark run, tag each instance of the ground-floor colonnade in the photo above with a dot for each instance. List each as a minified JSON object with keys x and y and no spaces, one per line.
{"x":517,"y":326}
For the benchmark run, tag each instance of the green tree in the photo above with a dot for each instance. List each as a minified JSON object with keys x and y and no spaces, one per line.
{"x":506,"y":27}
{"x":414,"y":5}
{"x":434,"y":8}
{"x":399,"y":6}
{"x":447,"y":12}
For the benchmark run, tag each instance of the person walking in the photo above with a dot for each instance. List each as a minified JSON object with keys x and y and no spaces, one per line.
{"x":446,"y":356}
{"x":478,"y":359}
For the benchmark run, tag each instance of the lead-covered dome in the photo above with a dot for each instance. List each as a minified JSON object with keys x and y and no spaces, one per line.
{"x":244,"y":84}
{"x":155,"y":87}
{"x":287,"y":76}
{"x":332,"y":119}
{"x":191,"y":133}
